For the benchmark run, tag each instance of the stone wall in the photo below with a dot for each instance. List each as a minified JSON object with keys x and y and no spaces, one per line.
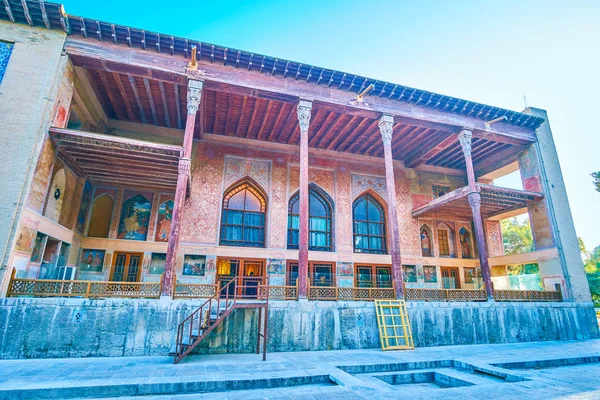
{"x":27,"y":104}
{"x":44,"y":328}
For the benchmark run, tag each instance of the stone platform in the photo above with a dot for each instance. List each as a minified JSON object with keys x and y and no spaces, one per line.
{"x":537,"y":370}
{"x":55,"y":328}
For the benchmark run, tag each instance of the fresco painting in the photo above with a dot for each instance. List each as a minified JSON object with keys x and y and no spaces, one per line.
{"x":194,"y":265}
{"x":91,"y":260}
{"x":163,"y":226}
{"x":135,"y":216}
{"x":83,"y":209}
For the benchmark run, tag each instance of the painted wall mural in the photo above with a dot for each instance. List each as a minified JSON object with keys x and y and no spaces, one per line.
{"x":91,"y":260}
{"x":236,"y":168}
{"x":429,"y":274}
{"x":163,"y":225}
{"x":84,"y":207}
{"x":135,"y":215}
{"x":361,"y":183}
{"x":157,"y":263}
{"x":194,"y":265}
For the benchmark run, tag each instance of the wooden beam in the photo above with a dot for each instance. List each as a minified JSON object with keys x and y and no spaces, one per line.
{"x":117,"y":78}
{"x":177,"y":105}
{"x":163,"y":97}
{"x":44,"y":14}
{"x":341,"y":134}
{"x":273,"y":129}
{"x":422,"y":156}
{"x":110,"y":94}
{"x":137,"y":99}
{"x":330,"y":130}
{"x":314,"y":137}
{"x":217,"y":112}
{"x":227,"y":113}
{"x":26,"y":12}
{"x":165,"y":67}
{"x":240,"y":120}
{"x":291,"y":116}
{"x":357,"y":133}
{"x":264,"y":121}
{"x":151,"y":100}
{"x":9,"y":11}
{"x":253,"y":117}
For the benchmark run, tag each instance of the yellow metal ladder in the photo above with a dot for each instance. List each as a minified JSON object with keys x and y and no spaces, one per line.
{"x":394,"y":326}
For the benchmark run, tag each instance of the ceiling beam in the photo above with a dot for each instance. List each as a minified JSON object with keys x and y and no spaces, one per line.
{"x":422,"y":156}
{"x":124,"y":96}
{"x":137,"y":99}
{"x":163,"y":96}
{"x":151,"y":100}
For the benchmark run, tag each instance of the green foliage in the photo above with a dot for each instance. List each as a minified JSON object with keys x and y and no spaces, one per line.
{"x":517,"y":237}
{"x":596,"y":176}
{"x":592,"y":270}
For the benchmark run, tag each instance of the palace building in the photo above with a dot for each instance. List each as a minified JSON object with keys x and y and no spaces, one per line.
{"x":144,"y":167}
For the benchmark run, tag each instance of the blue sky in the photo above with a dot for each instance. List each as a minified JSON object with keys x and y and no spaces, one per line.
{"x":495,"y":52}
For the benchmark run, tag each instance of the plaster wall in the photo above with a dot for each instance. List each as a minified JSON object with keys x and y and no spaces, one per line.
{"x":28,"y":95}
{"x":126,"y":327}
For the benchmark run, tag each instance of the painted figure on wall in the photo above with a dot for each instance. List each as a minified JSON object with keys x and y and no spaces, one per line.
{"x":157,"y":264}
{"x":165,"y":211}
{"x":430,"y":274}
{"x":425,"y":241}
{"x":465,"y":243}
{"x":91,"y":260}
{"x":135,"y":215}
{"x":410,"y":273}
{"x":194,"y":265}
{"x":85,"y":204}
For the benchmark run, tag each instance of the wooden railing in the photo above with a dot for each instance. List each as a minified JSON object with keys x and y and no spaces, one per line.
{"x":87,"y":289}
{"x":527,"y":295}
{"x":350,"y":293}
{"x":193,"y":290}
{"x":283,"y":292}
{"x":444,"y":294}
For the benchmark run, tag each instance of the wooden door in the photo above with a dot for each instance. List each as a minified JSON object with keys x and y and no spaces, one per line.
{"x":126,"y":267}
{"x":251,"y":271}
{"x":450,"y":278}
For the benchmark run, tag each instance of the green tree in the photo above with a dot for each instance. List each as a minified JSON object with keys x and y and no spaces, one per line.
{"x":596,"y":176}
{"x":517,"y":237}
{"x":591,"y":263}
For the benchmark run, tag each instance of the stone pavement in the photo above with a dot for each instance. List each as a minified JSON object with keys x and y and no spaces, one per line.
{"x":567,"y":369}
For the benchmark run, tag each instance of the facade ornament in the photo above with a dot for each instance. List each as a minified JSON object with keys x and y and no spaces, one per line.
{"x":386,"y":127}
{"x":194,"y":94}
{"x":475,"y":201}
{"x":464,"y":137}
{"x":304,"y":110}
{"x":184,"y":166}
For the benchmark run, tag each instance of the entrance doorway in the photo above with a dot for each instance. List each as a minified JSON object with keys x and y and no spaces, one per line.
{"x":126,"y":267}
{"x":250,"y":270}
{"x":450,"y":278}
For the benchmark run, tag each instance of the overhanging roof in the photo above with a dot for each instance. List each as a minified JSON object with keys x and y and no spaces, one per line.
{"x":118,"y":161}
{"x":52,"y":16}
{"x":494,"y":201}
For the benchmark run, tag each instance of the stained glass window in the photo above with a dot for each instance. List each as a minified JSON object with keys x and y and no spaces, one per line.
{"x":5,"y":50}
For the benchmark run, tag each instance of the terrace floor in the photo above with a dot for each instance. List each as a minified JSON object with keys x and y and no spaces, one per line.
{"x":547,"y":370}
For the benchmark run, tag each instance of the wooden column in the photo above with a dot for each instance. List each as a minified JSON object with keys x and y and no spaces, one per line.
{"x":194,"y":94}
{"x":474,"y":197}
{"x":304,"y":111}
{"x":386,"y":124}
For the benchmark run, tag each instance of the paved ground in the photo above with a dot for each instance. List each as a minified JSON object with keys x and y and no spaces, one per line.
{"x":486,"y":371}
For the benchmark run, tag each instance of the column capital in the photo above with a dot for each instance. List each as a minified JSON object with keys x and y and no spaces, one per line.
{"x":304,"y":110}
{"x":194,"y":94}
{"x":464,"y":137}
{"x":475,"y":201}
{"x":386,"y":128}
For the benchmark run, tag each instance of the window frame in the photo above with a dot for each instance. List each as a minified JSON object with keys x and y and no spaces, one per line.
{"x":311,"y":272}
{"x":374,"y":269}
{"x":446,"y":233}
{"x":328,"y":205}
{"x":382,"y":223}
{"x":244,"y":186}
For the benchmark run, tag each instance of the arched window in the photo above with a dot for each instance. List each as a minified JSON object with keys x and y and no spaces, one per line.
{"x":102,"y":210}
{"x":243,"y":219}
{"x":445,"y":236}
{"x":466,"y":248}
{"x":319,"y":222}
{"x":426,"y":248}
{"x":135,"y":215}
{"x":369,"y":225}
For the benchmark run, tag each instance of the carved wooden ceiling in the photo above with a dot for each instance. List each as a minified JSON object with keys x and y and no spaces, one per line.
{"x":143,"y":100}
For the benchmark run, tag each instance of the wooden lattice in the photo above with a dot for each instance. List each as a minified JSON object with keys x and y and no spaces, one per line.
{"x":283,"y":292}
{"x":394,"y":327}
{"x":527,"y":295}
{"x":193,"y":291}
{"x":322,"y":293}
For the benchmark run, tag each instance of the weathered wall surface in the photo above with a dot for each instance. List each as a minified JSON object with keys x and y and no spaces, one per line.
{"x":27,"y":96}
{"x":33,"y":328}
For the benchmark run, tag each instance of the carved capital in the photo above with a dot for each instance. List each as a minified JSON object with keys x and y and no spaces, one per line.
{"x":464,"y":137}
{"x":386,"y":127}
{"x":194,"y":94}
{"x":475,"y":202}
{"x":184,"y":166}
{"x":304,"y":111}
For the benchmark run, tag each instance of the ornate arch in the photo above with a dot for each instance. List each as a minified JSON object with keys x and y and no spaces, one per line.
{"x":103,"y":207}
{"x":466,"y":242}
{"x":321,"y":211}
{"x":243,"y":214}
{"x":369,"y":224}
{"x":445,"y":240}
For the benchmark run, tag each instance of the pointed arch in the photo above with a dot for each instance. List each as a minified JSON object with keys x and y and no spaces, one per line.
{"x":243,"y":215}
{"x":320,"y":219}
{"x":445,"y":240}
{"x":426,"y":241}
{"x":466,"y":243}
{"x":369,"y":224}
{"x":163,"y":218}
{"x":101,"y":217}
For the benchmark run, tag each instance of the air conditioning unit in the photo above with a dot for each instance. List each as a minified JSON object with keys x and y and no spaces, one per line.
{"x":66,"y":273}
